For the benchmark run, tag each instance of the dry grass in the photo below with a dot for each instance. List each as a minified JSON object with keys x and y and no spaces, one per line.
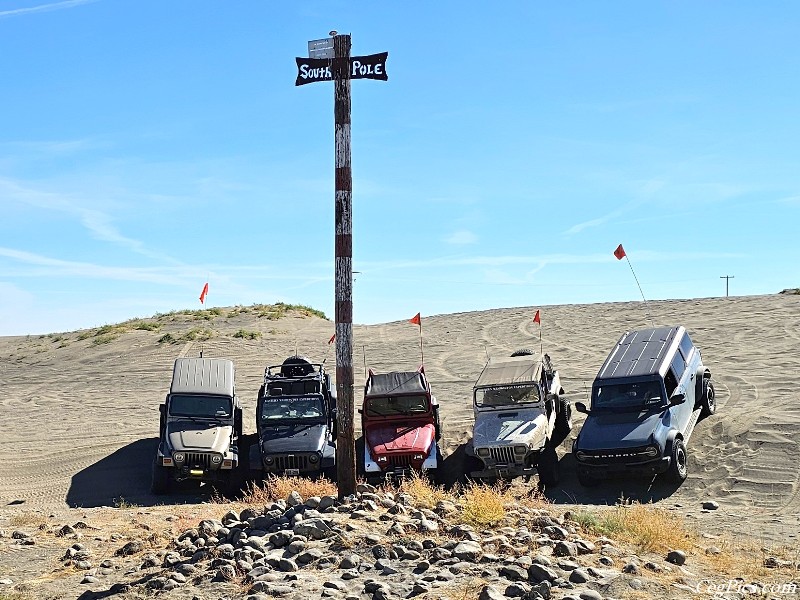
{"x":279,"y":488}
{"x":28,"y":519}
{"x":744,"y":557}
{"x":484,"y":506}
{"x":425,"y":493}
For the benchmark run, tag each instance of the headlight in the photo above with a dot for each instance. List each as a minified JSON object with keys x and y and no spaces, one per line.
{"x":520,"y":449}
{"x":313,"y":458}
{"x":581,"y":455}
{"x":418,"y":457}
{"x":268,"y":460}
{"x":179,"y":457}
{"x":216,"y":458}
{"x":382,"y":459}
{"x":652,"y":451}
{"x":482,"y":451}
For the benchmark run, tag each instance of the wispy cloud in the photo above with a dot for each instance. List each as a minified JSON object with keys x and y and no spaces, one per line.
{"x":44,"y":8}
{"x":463,"y":237}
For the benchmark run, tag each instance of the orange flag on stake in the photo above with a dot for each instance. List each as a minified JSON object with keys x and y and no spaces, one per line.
{"x":204,"y":293}
{"x":536,"y":318}
{"x":416,"y":320}
{"x":620,"y":252}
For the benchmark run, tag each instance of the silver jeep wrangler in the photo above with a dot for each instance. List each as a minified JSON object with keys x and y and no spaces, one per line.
{"x":520,"y":419}
{"x":201,"y":425}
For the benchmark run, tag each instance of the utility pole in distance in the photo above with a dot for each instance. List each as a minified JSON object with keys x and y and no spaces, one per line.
{"x":727,"y":278}
{"x":329,"y":60}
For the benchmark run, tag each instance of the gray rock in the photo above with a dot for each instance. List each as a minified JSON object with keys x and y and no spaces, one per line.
{"x":710,"y":505}
{"x":351,"y":561}
{"x":676,"y":557}
{"x":537,"y":572}
{"x":565,"y":549}
{"x":489,"y":592}
{"x":513,"y":573}
{"x":590,"y":595}
{"x":468,"y":550}
{"x":579,"y":576}
{"x":316,"y":529}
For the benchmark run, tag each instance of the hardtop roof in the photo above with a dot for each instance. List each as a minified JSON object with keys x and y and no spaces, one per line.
{"x":396,"y":383}
{"x":641,"y":353}
{"x":510,"y":371}
{"x":203,"y":376}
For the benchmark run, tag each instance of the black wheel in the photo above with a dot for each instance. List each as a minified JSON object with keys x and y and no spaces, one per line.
{"x":522,"y":352}
{"x":678,"y":465}
{"x":563,"y":424}
{"x":547,"y":466}
{"x":586,"y":480}
{"x":708,"y":402}
{"x":161,"y":479}
{"x":360,"y":472}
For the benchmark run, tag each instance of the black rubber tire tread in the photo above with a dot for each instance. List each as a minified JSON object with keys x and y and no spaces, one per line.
{"x":161,"y":479}
{"x":522,"y":352}
{"x":676,"y":473}
{"x":547,"y":466}
{"x":563,"y":424}
{"x":708,"y":402}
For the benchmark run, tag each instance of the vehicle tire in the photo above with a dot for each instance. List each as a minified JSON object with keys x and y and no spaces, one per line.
{"x":708,"y":401}
{"x":359,"y":446}
{"x":563,"y":424}
{"x":161,"y":479}
{"x":522,"y":352}
{"x":678,"y":465}
{"x":587,"y":480}
{"x":547,"y":466}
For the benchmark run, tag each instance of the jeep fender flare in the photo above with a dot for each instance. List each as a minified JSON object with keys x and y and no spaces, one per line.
{"x":673,"y":435}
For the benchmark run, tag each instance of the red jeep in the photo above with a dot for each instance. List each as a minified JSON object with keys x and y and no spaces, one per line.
{"x":400,"y":425}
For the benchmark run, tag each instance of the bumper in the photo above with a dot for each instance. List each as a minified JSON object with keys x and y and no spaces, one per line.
{"x":400,"y":467}
{"x":650,"y":467}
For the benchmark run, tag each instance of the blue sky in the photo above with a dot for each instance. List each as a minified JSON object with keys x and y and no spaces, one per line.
{"x":147,"y":147}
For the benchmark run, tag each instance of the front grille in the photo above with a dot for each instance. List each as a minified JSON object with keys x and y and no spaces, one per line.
{"x":196,"y":460}
{"x":619,"y":455}
{"x":399,"y":461}
{"x":502,"y":455}
{"x":292,"y":461}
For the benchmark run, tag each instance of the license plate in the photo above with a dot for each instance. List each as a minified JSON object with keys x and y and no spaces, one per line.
{"x":292,"y":472}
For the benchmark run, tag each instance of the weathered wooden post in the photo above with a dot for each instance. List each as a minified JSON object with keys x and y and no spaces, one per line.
{"x":329,"y":59}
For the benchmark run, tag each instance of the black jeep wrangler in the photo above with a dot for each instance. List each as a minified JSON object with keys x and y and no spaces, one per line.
{"x":295,"y":421}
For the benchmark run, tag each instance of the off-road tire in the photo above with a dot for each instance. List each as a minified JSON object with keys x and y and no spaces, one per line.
{"x":359,"y":449}
{"x":161,"y":479}
{"x":563,"y":424}
{"x":587,"y":480}
{"x":678,"y":464}
{"x":708,"y":400}
{"x":522,"y":352}
{"x":547,"y":466}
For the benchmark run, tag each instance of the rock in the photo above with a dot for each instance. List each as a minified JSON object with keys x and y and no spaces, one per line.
{"x":351,"y":561}
{"x":133,"y":547}
{"x":565,"y":549}
{"x":468,"y":550}
{"x":316,"y":529}
{"x":676,"y":557}
{"x":590,"y":595}
{"x":579,"y":576}
{"x":513,"y":573}
{"x":710,"y":505}
{"x":489,"y":592}
{"x":537,"y":572}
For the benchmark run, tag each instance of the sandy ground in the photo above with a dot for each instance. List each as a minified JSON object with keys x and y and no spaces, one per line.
{"x":80,"y":418}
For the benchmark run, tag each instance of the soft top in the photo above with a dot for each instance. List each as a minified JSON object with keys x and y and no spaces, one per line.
{"x":510,"y":371}
{"x":639,"y":353}
{"x":203,"y":376}
{"x":396,"y":383}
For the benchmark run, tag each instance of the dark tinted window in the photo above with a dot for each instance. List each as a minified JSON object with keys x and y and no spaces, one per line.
{"x":686,"y":346}
{"x":199,"y":406}
{"x":670,"y":382}
{"x":678,"y":366}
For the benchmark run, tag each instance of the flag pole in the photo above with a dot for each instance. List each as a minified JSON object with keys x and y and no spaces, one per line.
{"x":620,"y":254}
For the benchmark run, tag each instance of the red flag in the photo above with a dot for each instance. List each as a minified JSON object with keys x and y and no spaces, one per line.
{"x":620,"y":252}
{"x":333,"y":337}
{"x":416,"y":320}
{"x":203,"y":293}
{"x":536,"y":318}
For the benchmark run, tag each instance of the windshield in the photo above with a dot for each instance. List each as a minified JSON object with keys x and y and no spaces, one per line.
{"x":182,"y":405}
{"x":638,"y":395}
{"x":292,"y":408}
{"x":397,"y":405}
{"x":507,"y":396}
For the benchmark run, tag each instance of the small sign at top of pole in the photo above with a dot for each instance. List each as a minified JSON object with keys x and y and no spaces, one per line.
{"x":319,"y":64}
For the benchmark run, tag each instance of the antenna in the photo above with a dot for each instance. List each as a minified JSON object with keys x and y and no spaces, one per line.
{"x":364,"y":351}
{"x":486,"y":351}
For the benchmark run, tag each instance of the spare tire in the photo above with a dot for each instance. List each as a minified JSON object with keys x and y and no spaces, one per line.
{"x":296,"y":366}
{"x":522,"y":352}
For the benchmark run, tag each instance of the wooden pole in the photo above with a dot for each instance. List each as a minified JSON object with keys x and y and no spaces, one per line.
{"x":345,"y":442}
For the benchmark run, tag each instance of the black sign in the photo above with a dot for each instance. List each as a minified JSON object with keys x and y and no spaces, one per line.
{"x":311,"y":70}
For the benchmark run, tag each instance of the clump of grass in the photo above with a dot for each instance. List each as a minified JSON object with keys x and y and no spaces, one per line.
{"x":84,"y":335}
{"x":167,"y":338}
{"x":145,"y":326}
{"x":122,"y":503}
{"x":99,"y":340}
{"x":649,"y":528}
{"x":791,"y":291}
{"x":425,"y":493}
{"x":247,"y":335}
{"x":27,"y":519}
{"x":194,"y":334}
{"x":279,"y":488}
{"x":276,"y":311}
{"x":484,"y":506}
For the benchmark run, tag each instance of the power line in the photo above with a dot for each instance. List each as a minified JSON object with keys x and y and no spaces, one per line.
{"x":727,"y":279}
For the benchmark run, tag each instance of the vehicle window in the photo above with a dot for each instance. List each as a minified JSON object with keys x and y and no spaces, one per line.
{"x":507,"y":396}
{"x":670,"y":382}
{"x":397,"y":405}
{"x":627,"y":396}
{"x":678,"y":366}
{"x":292,"y":408}
{"x":686,"y":347}
{"x":181,"y":405}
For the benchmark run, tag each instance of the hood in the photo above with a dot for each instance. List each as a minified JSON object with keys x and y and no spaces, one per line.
{"x":192,"y":436}
{"x":397,"y":438}
{"x":279,"y":439}
{"x":501,"y":428}
{"x":619,"y":430}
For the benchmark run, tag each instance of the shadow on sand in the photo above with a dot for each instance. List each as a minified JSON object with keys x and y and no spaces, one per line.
{"x":124,"y":477}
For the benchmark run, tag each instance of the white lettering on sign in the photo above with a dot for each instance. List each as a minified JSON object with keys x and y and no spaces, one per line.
{"x":361,"y":69}
{"x":307,"y":72}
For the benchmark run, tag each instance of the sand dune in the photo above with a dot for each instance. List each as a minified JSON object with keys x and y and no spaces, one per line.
{"x":80,"y":418}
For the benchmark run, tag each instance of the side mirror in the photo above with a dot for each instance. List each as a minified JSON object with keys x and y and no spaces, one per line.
{"x":552,"y":397}
{"x":162,"y":408}
{"x":581,"y":408}
{"x":676,"y":399}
